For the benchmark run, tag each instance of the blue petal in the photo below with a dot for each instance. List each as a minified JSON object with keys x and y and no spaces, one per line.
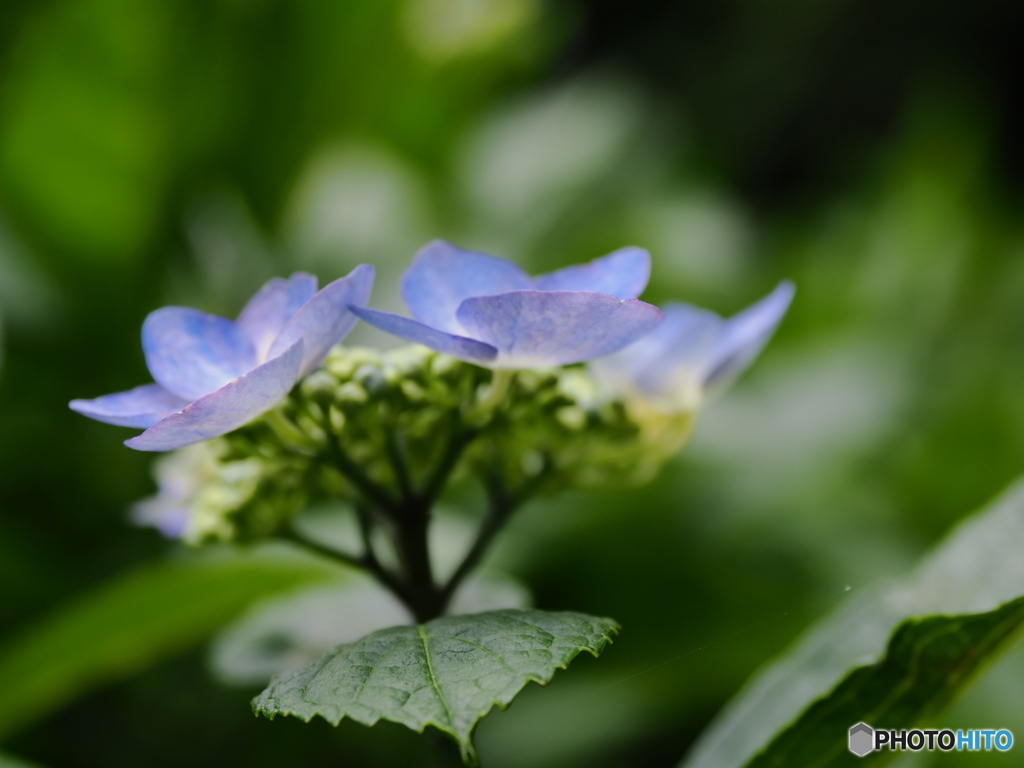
{"x":230,"y":407}
{"x":623,"y":273}
{"x":324,"y":320}
{"x":745,"y":335}
{"x":265,"y":315}
{"x":192,"y":353}
{"x":540,"y":328}
{"x":441,"y":276}
{"x":141,"y":407}
{"x":669,"y":362}
{"x":460,"y":347}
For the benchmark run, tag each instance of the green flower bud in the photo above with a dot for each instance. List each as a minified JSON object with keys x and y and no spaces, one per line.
{"x":221,"y":490}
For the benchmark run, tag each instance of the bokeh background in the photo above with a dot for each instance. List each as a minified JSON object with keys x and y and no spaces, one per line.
{"x":178,"y":151}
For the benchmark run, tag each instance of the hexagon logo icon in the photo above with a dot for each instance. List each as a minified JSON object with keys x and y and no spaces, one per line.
{"x":862,"y":739}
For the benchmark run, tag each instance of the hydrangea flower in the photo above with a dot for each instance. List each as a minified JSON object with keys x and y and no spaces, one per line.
{"x":214,"y":375}
{"x":486,"y":310}
{"x":206,"y":493}
{"x":693,"y":355}
{"x":181,"y":476}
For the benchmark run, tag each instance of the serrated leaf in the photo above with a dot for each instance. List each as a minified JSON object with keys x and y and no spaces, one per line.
{"x":927,"y":662}
{"x":447,"y":673}
{"x":134,"y":621}
{"x":975,"y":570}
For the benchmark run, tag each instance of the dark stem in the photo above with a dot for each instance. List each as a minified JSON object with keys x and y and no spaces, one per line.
{"x":399,"y":462}
{"x":364,"y":515}
{"x":499,"y":510}
{"x":334,"y":554}
{"x":408,"y":520}
{"x":355,"y":475}
{"x":368,"y":562}
{"x":460,"y":439}
{"x":423,"y":596}
{"x":501,"y":505}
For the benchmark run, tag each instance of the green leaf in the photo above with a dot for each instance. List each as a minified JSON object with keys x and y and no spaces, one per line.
{"x":927,"y":662}
{"x":134,"y":621}
{"x":447,"y":673}
{"x":971,"y":577}
{"x":9,"y":761}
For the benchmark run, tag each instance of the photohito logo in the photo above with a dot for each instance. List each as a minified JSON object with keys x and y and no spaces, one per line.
{"x":864,"y":740}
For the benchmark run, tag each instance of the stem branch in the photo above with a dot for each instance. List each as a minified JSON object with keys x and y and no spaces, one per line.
{"x":461,"y":437}
{"x":501,"y":505}
{"x":355,"y":475}
{"x":397,"y":455}
{"x":368,"y":562}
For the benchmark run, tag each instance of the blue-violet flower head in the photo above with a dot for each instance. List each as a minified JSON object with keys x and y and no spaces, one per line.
{"x":214,"y":375}
{"x":693,"y":355}
{"x":486,"y":310}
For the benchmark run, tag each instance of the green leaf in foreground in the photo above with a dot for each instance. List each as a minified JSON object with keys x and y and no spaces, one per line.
{"x":136,"y":620}
{"x":927,"y":662}
{"x":447,"y":673}
{"x":975,"y":570}
{"x":8,"y":761}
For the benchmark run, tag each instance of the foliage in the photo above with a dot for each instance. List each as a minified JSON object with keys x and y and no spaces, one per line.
{"x":447,"y":673}
{"x":927,"y":662}
{"x":867,"y":658}
{"x":184,"y":152}
{"x":132,"y":622}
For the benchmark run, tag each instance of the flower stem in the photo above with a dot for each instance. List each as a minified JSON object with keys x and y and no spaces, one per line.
{"x":500,"y":381}
{"x":423,"y":597}
{"x":408,"y":515}
{"x":397,"y":454}
{"x":355,"y":475}
{"x":499,"y":510}
{"x":460,"y":439}
{"x":368,"y":562}
{"x":502,"y":504}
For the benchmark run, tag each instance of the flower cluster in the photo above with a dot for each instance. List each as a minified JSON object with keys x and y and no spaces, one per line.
{"x":490,"y":395}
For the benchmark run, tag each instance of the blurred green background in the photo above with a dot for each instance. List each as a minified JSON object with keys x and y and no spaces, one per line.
{"x":178,"y":151}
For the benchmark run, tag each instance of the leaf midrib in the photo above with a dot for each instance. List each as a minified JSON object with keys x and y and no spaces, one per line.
{"x":421,"y":631}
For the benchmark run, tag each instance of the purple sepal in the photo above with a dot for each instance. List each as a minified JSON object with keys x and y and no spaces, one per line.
{"x":230,"y":407}
{"x":459,"y":347}
{"x":141,"y":407}
{"x":544,"y":328}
